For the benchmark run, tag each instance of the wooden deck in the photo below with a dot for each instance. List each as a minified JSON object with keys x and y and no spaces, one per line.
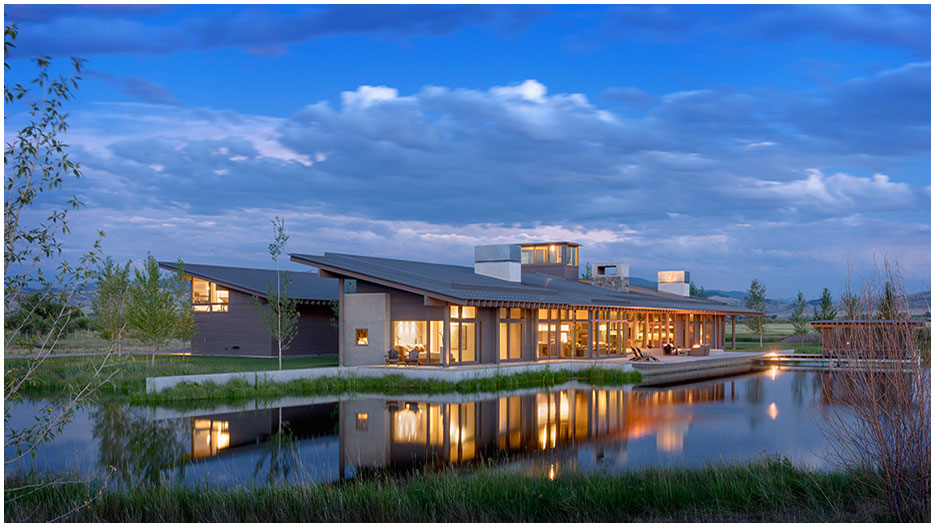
{"x":677,"y":369}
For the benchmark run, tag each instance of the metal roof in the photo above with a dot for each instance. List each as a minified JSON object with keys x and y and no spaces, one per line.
{"x":459,"y":284}
{"x":307,"y":287}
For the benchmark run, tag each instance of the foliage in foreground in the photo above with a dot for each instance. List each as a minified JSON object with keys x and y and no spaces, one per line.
{"x":390,"y":385}
{"x":766,"y":490}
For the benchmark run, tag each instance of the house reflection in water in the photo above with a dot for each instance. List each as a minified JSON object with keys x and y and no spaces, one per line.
{"x":545,"y":427}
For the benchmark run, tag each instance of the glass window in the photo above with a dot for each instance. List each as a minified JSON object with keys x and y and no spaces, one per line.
{"x":516,"y":313}
{"x":454,"y":312}
{"x":526,"y":256}
{"x":468,"y":312}
{"x":541,"y":256}
{"x":543,"y":314}
{"x":361,"y":335}
{"x":581,"y":314}
{"x":200,"y":291}
{"x":581,"y":339}
{"x":409,"y":335}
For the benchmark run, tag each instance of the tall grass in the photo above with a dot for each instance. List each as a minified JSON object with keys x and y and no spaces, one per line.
{"x":767,"y":490}
{"x":390,"y":385}
{"x":60,"y":373}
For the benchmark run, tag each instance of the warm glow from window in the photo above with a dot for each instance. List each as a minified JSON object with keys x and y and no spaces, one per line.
{"x":209,"y":436}
{"x":363,"y":422}
{"x":208,"y":297}
{"x":361,"y":337}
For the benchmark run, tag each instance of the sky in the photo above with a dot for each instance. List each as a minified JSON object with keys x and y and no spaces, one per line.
{"x":784,"y":143}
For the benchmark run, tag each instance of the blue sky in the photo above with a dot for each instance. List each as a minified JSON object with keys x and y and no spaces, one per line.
{"x":775,"y":142}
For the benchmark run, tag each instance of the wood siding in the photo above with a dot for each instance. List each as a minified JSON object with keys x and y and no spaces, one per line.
{"x":240,"y":331}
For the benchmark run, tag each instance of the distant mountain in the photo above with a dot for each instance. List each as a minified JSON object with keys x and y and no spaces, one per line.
{"x":919,"y":303}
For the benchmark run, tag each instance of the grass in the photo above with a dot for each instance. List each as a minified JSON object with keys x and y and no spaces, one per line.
{"x":770,"y":490}
{"x":390,"y":385}
{"x":61,"y":373}
{"x":775,"y":331}
{"x":87,"y":341}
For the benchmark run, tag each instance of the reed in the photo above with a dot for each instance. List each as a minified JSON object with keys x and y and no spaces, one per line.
{"x":390,"y":385}
{"x":765,"y":490}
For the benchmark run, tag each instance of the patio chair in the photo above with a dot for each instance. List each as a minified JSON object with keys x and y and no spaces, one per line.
{"x":412,"y":357}
{"x":638,"y":355}
{"x":392,"y":357}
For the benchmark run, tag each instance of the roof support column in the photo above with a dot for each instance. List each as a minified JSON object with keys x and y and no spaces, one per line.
{"x":446,"y":337}
{"x":733,"y":332}
{"x":342,"y":330}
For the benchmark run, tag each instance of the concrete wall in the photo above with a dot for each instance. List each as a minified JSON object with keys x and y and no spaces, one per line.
{"x":370,"y":311}
{"x":365,"y":443}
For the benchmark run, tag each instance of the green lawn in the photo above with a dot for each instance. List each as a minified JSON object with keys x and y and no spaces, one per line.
{"x":58,"y":373}
{"x":774,"y":332}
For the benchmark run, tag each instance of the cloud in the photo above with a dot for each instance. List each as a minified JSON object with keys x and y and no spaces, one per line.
{"x":138,"y":88}
{"x":714,"y":177}
{"x":83,"y":31}
{"x":904,"y":26}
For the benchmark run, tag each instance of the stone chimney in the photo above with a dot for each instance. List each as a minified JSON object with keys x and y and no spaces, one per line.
{"x":498,"y":261}
{"x":675,"y":282}
{"x":613,"y":275}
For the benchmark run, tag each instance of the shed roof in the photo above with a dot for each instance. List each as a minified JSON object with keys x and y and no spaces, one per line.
{"x":304,"y":286}
{"x":459,"y":284}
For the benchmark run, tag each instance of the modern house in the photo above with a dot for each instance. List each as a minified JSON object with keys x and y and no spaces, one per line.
{"x":227,"y":321}
{"x":517,"y":303}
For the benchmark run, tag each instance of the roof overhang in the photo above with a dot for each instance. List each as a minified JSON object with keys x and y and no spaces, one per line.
{"x":241,"y":289}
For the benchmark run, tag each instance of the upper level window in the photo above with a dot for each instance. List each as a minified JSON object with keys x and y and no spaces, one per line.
{"x":209,"y":297}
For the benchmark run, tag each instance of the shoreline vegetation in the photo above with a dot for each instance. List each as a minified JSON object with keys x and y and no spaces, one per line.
{"x":768,"y":489}
{"x":58,"y":375}
{"x":239,"y":390}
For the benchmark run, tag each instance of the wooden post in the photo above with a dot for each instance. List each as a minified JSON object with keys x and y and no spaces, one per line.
{"x":446,"y":336}
{"x":733,"y":332}
{"x":497,"y":335}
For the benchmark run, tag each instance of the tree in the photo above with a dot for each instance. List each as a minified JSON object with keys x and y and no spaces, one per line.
{"x":887,"y":309}
{"x":156,"y":313}
{"x":851,"y":304}
{"x":586,"y":275}
{"x":827,"y":311}
{"x":880,"y":425}
{"x":35,"y":165}
{"x":756,"y":300}
{"x":336,"y":312}
{"x":800,"y":323}
{"x":280,"y":314}
{"x":112,"y":301}
{"x":696,"y":291}
{"x":38,"y":313}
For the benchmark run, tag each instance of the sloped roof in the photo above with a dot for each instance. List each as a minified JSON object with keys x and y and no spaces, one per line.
{"x":459,"y":284}
{"x":304,"y":286}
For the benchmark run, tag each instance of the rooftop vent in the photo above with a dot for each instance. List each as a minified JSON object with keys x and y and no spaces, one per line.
{"x":498,"y":261}
{"x":613,"y":275}
{"x":675,"y":282}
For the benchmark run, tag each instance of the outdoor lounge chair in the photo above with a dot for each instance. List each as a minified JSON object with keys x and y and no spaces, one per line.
{"x":392,"y":357}
{"x":640,"y":356}
{"x":412,"y":357}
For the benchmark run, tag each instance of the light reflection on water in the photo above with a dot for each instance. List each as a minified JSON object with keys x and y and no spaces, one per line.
{"x":570,"y":428}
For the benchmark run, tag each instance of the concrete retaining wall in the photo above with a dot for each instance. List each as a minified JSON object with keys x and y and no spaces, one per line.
{"x":158,"y":384}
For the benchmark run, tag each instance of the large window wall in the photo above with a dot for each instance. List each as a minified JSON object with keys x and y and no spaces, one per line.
{"x":463,"y":334}
{"x":511,"y":334}
{"x":610,"y":328}
{"x":426,"y":337}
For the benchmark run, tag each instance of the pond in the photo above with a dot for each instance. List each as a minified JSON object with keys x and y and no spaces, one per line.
{"x":569,"y":428}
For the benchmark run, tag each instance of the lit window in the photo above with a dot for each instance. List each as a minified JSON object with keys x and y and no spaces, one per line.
{"x":361,"y":337}
{"x":362,"y":422}
{"x":469,"y":312}
{"x":209,"y":297}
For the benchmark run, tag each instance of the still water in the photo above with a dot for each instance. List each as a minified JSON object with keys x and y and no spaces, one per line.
{"x":569,"y":428}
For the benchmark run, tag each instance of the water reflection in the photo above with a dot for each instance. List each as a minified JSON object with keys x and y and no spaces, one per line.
{"x":574,"y":428}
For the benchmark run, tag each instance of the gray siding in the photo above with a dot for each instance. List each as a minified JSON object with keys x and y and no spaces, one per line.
{"x":240,"y":331}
